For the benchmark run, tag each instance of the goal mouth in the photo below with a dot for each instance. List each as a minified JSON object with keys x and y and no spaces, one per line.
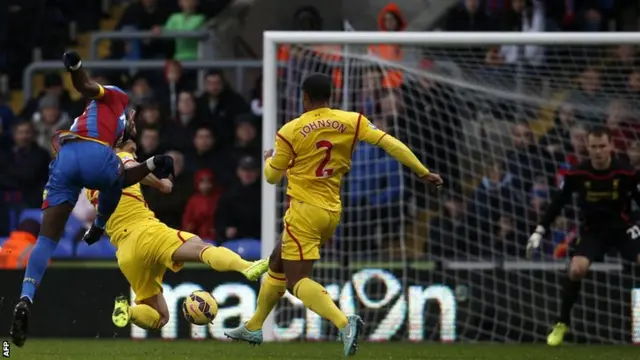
{"x":502,"y":117}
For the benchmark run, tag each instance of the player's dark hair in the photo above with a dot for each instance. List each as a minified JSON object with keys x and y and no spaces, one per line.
{"x":317,"y":87}
{"x":124,"y":143}
{"x":600,"y":130}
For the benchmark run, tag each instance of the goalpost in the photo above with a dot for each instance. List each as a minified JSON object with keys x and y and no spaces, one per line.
{"x":500,"y":116}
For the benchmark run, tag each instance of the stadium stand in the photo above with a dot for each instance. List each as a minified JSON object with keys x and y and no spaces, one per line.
{"x":214,"y":128}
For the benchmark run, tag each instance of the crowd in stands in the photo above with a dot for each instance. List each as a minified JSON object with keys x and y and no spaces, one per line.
{"x":213,"y":133}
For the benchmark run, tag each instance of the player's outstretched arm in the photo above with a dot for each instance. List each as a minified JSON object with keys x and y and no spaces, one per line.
{"x":554,"y":209}
{"x":79,"y":77}
{"x":136,"y":173}
{"x":163,"y":185}
{"x":394,"y":147}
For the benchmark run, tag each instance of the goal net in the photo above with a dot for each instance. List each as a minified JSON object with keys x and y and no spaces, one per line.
{"x":501,"y":118}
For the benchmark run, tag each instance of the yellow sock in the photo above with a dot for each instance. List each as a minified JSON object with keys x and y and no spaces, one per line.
{"x":316,"y":299}
{"x":272,"y":289}
{"x":223,"y":259}
{"x":145,"y":316}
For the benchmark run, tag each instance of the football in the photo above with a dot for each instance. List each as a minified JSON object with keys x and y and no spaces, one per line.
{"x":200,"y":308}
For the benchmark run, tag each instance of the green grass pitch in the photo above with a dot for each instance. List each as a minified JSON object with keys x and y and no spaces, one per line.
{"x":100,"y":349}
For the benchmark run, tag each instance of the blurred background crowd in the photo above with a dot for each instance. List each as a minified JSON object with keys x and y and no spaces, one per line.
{"x":211,"y":123}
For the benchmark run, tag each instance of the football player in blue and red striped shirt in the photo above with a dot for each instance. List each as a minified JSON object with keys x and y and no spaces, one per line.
{"x":84,"y":159}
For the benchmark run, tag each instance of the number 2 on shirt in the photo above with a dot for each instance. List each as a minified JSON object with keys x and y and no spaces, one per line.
{"x":322,"y":170}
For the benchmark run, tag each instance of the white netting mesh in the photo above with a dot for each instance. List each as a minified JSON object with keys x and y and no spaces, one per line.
{"x":501,"y":125}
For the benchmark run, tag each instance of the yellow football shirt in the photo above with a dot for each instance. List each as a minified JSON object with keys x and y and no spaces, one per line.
{"x":315,"y":151}
{"x":132,"y":210}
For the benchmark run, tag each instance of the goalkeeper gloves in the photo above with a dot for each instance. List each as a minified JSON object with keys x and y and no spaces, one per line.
{"x":534,"y":241}
{"x":71,"y":60}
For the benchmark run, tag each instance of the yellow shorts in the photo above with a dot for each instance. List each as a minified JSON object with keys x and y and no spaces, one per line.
{"x":306,"y":228}
{"x":145,"y":254}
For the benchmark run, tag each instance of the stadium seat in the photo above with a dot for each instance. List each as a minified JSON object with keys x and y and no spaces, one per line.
{"x":25,"y":214}
{"x":249,"y":249}
{"x":100,"y":250}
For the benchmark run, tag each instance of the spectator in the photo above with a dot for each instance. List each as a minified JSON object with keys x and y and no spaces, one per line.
{"x":48,"y":120}
{"x":556,"y":141}
{"x":508,"y":237}
{"x":52,"y":87}
{"x":238,"y":212}
{"x":201,"y":208}
{"x":526,"y":160}
{"x":594,"y":17}
{"x":149,"y":143}
{"x":170,"y":207}
{"x":219,"y":105}
{"x":375,"y":183}
{"x":174,"y":83}
{"x":256,"y":98}
{"x":144,"y":15}
{"x":435,"y":122}
{"x":467,"y":17}
{"x":150,"y":116}
{"x":141,"y":92}
{"x":390,"y":18}
{"x":182,"y":129}
{"x":7,"y":118}
{"x":206,"y":155}
{"x":621,"y":66}
{"x":247,"y":142}
{"x":633,"y":154}
{"x":633,"y":90}
{"x":578,"y":152}
{"x":371,"y":91}
{"x":588,"y":100}
{"x":25,"y":165}
{"x":493,"y":197}
{"x":523,"y":16}
{"x":621,"y":124}
{"x":447,"y":232}
{"x":15,"y":252}
{"x":186,"y":20}
{"x":538,"y":201}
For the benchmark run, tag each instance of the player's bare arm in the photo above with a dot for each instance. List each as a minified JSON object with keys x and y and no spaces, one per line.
{"x":79,"y":77}
{"x":163,"y":185}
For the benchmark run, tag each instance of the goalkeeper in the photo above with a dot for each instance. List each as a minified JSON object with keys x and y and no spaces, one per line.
{"x":314,"y":151}
{"x":605,"y":186}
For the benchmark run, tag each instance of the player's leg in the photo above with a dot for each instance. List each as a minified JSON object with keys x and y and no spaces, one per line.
{"x":306,"y":229}
{"x":218,"y":258}
{"x":104,"y":173}
{"x":272,"y":289}
{"x":59,"y":197}
{"x":145,"y":278}
{"x":149,"y":314}
{"x":588,"y":248}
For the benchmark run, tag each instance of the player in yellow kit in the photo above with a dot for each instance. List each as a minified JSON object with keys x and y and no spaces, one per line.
{"x":146,"y":248}
{"x":314,"y":151}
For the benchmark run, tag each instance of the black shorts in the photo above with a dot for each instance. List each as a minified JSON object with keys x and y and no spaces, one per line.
{"x":595,"y":244}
